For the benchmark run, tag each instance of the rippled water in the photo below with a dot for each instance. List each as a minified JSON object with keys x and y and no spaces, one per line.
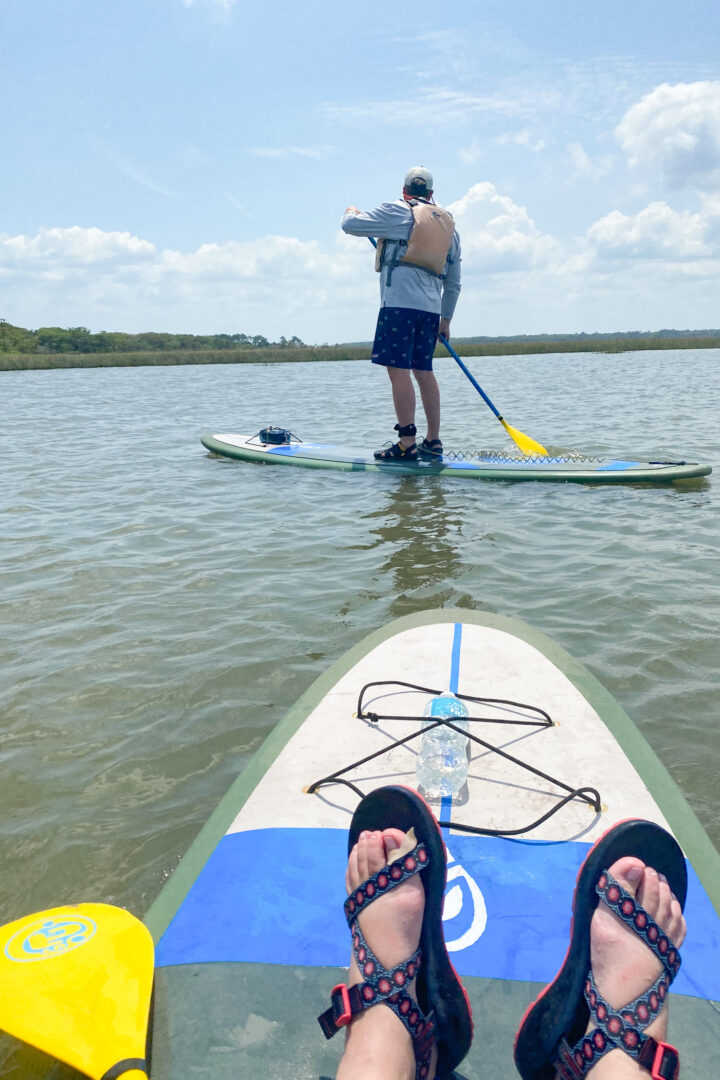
{"x":161,"y":608}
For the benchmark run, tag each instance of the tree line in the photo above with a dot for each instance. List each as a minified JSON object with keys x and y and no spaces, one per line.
{"x":55,"y":347}
{"x":78,"y":339}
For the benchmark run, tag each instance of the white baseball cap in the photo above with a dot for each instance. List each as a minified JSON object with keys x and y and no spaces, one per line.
{"x":421,"y":174}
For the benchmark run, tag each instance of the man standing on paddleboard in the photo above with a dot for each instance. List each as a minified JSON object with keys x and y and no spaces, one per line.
{"x":418,"y":259}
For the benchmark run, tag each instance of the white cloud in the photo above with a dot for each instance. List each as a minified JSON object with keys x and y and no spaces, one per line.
{"x":657,"y":232}
{"x":471,"y":153}
{"x":522,"y":138}
{"x":112,"y":280}
{"x":72,"y":247}
{"x":582,"y":166}
{"x":676,"y":129}
{"x":496,"y":233}
{"x":268,"y":258}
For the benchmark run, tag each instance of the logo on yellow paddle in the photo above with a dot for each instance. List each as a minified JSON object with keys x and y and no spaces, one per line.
{"x":49,"y":937}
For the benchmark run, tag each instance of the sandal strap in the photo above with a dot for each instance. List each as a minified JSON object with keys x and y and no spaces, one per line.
{"x":381,"y":982}
{"x":627,"y":1024}
{"x":395,"y":873}
{"x":623,"y":1028}
{"x":397,"y":452}
{"x":626,"y":907}
{"x":661,"y":1059}
{"x":383,"y":985}
{"x":348,"y":1001}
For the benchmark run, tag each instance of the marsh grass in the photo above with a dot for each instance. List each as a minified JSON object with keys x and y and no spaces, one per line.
{"x":171,"y":357}
{"x":303,"y":354}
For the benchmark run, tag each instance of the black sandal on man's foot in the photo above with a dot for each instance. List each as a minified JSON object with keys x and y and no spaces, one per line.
{"x":431,"y":450}
{"x":396,"y":451}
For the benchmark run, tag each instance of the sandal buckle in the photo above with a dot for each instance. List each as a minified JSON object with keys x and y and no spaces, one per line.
{"x":661,"y":1059}
{"x":340,"y":998}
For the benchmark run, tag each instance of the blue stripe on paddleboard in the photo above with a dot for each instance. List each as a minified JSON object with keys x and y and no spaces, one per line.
{"x":454,"y":681}
{"x":616,"y":466}
{"x":458,"y":466}
{"x":455,"y":658}
{"x":275,"y":896}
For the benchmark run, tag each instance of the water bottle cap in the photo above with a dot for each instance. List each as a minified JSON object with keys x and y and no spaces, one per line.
{"x":446,"y":704}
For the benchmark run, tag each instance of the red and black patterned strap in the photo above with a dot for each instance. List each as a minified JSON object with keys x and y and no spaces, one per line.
{"x":623,"y":1028}
{"x":381,"y":984}
{"x":627,"y":908}
{"x":660,"y":1058}
{"x":347,"y":1002}
{"x":388,"y":878}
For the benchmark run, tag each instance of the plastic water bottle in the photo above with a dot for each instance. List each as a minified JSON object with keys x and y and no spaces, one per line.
{"x":442,"y":763}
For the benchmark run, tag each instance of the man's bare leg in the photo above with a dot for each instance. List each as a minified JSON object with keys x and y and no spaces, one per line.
{"x":430,"y":396}
{"x":403,"y":393}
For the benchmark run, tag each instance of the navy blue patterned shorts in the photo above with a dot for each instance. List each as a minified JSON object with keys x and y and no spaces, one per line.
{"x":405,"y":338}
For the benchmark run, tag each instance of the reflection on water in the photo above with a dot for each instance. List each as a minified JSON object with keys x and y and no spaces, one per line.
{"x":416,"y":532}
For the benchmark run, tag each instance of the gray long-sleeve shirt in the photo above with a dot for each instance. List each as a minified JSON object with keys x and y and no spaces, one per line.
{"x":409,"y":287}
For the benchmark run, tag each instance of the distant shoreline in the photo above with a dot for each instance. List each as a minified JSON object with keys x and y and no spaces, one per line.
{"x":310,"y":353}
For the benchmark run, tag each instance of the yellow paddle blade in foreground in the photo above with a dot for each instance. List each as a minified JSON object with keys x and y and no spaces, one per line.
{"x":528,"y":446}
{"x":76,"y":983}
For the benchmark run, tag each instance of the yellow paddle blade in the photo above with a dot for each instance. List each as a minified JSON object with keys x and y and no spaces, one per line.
{"x":76,"y":983}
{"x":528,"y":446}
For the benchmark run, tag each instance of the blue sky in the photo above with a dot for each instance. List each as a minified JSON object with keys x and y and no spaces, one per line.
{"x":183,"y":165}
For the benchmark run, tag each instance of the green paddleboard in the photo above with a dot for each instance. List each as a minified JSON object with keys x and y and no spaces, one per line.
{"x":485,"y":465}
{"x":250,"y":932}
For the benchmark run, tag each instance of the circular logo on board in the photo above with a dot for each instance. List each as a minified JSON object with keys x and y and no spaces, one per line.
{"x":49,"y":937}
{"x":464,"y":910}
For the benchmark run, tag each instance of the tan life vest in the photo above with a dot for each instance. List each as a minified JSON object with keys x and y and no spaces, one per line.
{"x":430,"y":240}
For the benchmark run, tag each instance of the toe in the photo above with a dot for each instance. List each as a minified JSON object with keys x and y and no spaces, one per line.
{"x":648,"y":893}
{"x":654,"y":894}
{"x":352,"y":876}
{"x":376,"y":858}
{"x":362,"y":850}
{"x":393,"y":839}
{"x":676,"y":927}
{"x":662,"y":906}
{"x":628,"y":872}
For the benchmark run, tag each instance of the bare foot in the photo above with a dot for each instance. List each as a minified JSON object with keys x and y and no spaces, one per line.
{"x":378,"y":1044}
{"x":623,"y":966}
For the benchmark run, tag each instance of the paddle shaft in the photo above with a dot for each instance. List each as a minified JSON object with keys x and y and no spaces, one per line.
{"x":476,"y":384}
